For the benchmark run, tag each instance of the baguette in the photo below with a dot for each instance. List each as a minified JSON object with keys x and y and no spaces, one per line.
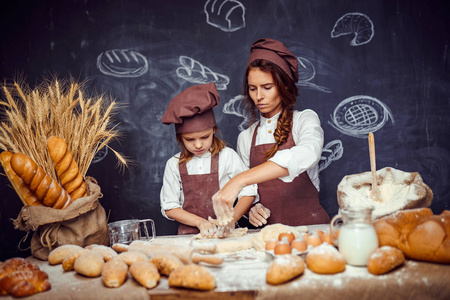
{"x":66,"y":168}
{"x":418,"y":233}
{"x":45,"y":188}
{"x":23,"y":191}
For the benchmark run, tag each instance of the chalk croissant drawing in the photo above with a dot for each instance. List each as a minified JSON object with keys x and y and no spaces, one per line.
{"x":332,"y":151}
{"x":193,"y":71}
{"x":227,"y":15}
{"x":238,"y":107}
{"x":354,"y":23}
{"x":306,"y":73}
{"x":358,"y":115}
{"x":122,"y":63}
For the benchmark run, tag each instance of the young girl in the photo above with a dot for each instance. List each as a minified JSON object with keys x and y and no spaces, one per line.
{"x":282,"y":149}
{"x":204,"y":165}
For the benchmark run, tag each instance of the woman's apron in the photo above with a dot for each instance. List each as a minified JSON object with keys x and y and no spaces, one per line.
{"x":294,"y":203}
{"x":198,"y":191}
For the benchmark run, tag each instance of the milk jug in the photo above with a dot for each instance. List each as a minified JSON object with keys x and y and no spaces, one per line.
{"x":356,"y":237}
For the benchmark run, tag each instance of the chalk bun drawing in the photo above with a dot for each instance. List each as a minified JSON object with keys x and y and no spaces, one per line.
{"x":193,"y":71}
{"x":238,"y":107}
{"x":354,"y":23}
{"x":331,"y":152}
{"x":122,"y":63}
{"x":358,"y":115}
{"x":227,"y":15}
{"x":306,"y":73}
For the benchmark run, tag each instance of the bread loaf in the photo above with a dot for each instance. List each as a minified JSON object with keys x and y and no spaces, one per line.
{"x":23,"y":191}
{"x":284,"y":268}
{"x":57,"y":255}
{"x":89,"y":264}
{"x":44,"y":187}
{"x":418,"y":233}
{"x":192,"y":277}
{"x":325,"y":259}
{"x":166,"y":263}
{"x":385,"y":259}
{"x":66,"y":168}
{"x":114,"y":273}
{"x":145,"y":273}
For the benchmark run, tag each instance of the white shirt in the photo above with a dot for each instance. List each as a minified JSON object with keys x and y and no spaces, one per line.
{"x":230,"y":164}
{"x":304,"y":156}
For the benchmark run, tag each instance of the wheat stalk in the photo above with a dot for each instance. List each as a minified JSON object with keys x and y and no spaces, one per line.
{"x":56,"y":108}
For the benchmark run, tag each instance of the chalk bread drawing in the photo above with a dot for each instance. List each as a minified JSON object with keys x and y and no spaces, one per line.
{"x":238,"y":107}
{"x":122,"y":63}
{"x":100,"y":155}
{"x":354,"y":23}
{"x":193,"y":71}
{"x":332,"y":151}
{"x":306,"y":73}
{"x":358,"y":115}
{"x":227,"y":15}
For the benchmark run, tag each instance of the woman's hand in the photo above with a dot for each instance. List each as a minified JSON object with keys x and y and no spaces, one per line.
{"x":224,"y":199}
{"x":207,"y":229}
{"x":223,"y":230}
{"x":258,"y":215}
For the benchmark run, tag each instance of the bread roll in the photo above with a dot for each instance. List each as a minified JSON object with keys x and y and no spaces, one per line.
{"x":145,"y":273}
{"x":24,"y":192}
{"x":106,"y":252}
{"x":166,"y":263}
{"x":66,"y":168}
{"x":385,"y":259}
{"x":131,"y":257}
{"x":57,"y":255}
{"x":69,"y":261}
{"x":192,"y":277}
{"x":417,"y":233}
{"x":89,"y":264}
{"x":114,"y":273}
{"x":45,"y":188}
{"x":325,"y":259}
{"x":284,"y":268}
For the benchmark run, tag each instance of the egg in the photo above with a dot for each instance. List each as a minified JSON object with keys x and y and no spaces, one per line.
{"x":270,"y":245}
{"x":289,"y":235}
{"x":282,"y":248}
{"x":299,"y":244}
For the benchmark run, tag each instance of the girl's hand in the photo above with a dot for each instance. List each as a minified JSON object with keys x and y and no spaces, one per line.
{"x":207,"y":229}
{"x":225,"y":230}
{"x":258,"y":215}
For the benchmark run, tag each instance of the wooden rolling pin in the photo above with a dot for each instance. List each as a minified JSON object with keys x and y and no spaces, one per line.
{"x":186,"y":254}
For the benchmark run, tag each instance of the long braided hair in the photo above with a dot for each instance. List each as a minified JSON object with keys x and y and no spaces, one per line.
{"x":288,"y":92}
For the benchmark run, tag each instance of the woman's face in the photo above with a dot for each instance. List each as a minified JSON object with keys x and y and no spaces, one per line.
{"x":264,"y":92}
{"x":198,"y":142}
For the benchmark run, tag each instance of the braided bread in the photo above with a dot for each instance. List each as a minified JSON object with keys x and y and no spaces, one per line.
{"x":66,"y":168}
{"x":22,"y":190}
{"x":44,"y":187}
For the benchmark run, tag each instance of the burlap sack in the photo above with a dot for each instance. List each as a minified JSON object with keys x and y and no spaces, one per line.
{"x":82,"y":223}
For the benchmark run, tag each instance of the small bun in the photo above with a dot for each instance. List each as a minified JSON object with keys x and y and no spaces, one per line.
{"x":325,"y":259}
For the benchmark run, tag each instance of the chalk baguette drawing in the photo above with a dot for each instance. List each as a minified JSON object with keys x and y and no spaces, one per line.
{"x":227,"y":15}
{"x":332,"y":151}
{"x":193,"y":71}
{"x":354,"y":23}
{"x":358,"y":115}
{"x":122,"y":63}
{"x":306,"y":73}
{"x":238,"y":107}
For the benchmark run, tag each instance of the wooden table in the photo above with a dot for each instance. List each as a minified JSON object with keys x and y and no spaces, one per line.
{"x":242,"y":276}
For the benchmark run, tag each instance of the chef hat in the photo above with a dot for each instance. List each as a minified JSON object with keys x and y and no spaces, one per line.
{"x":277,"y":53}
{"x":191,"y":110}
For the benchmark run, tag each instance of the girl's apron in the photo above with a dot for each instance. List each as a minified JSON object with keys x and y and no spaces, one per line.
{"x":198,"y":191}
{"x":295,"y":203}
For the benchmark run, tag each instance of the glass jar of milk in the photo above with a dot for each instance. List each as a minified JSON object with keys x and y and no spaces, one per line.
{"x":356,"y":237}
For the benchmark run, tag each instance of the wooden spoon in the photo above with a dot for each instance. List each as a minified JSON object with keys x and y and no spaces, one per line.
{"x":374,"y":192}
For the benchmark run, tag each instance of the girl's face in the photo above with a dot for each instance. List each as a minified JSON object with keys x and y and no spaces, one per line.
{"x":198,"y":142}
{"x":264,"y":92}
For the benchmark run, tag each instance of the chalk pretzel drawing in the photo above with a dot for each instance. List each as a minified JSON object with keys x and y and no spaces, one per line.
{"x":354,"y":23}
{"x":122,"y":63}
{"x":358,"y":115}
{"x":227,"y":15}
{"x":238,"y":107}
{"x":193,"y":71}
{"x":332,"y":151}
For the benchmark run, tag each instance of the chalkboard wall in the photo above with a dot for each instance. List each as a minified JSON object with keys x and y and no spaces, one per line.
{"x":364,"y":65}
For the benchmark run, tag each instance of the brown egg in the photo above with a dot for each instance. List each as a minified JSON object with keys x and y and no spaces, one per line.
{"x":289,"y":235}
{"x":313,"y":240}
{"x":282,"y":248}
{"x":299,"y":244}
{"x":327,"y":239}
{"x":270,"y":245}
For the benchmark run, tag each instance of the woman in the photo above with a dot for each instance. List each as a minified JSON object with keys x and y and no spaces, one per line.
{"x":282,"y":149}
